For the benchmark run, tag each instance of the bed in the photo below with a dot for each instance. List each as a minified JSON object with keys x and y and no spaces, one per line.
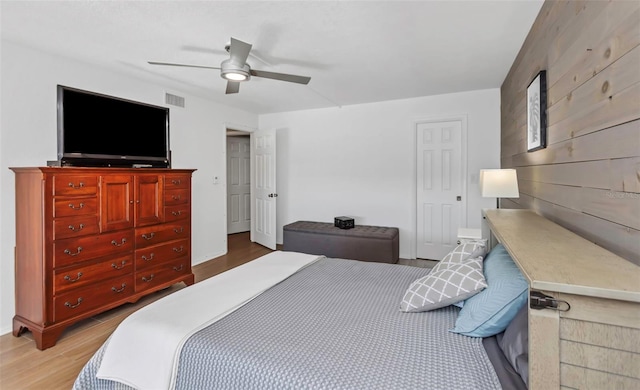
{"x":322,"y":323}
{"x":296,"y":321}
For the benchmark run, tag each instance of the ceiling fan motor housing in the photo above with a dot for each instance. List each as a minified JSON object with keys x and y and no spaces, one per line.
{"x":234,"y":72}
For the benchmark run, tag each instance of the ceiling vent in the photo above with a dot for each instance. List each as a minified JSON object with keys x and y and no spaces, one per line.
{"x":174,"y":100}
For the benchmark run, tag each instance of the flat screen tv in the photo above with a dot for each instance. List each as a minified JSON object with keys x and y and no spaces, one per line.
{"x":97,"y":130}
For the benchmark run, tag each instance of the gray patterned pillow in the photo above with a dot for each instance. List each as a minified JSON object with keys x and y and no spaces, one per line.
{"x":466,"y":250}
{"x":447,"y":283}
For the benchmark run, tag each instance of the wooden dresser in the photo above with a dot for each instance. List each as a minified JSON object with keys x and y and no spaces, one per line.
{"x":591,"y":339}
{"x":91,"y":239}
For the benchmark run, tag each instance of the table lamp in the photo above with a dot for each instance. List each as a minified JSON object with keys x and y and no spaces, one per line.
{"x":499,"y":183}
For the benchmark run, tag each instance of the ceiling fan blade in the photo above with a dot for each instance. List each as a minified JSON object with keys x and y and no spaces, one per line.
{"x":239,"y":51}
{"x":232,"y":87}
{"x":281,"y":76}
{"x":185,"y":65}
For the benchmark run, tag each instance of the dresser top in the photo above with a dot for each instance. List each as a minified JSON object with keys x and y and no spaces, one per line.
{"x":85,"y":170}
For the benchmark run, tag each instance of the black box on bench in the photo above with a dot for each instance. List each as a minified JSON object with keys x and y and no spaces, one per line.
{"x":343,"y":222}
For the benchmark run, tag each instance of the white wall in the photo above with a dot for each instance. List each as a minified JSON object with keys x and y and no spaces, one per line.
{"x":360,"y":160}
{"x":28,"y":138}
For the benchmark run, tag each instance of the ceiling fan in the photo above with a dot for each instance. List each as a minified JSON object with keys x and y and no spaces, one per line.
{"x":236,"y":70}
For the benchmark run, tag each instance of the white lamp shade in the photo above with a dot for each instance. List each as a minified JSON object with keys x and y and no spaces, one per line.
{"x":499,"y":183}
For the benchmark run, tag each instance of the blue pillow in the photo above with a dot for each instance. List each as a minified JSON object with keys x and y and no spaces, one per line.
{"x":490,"y":311}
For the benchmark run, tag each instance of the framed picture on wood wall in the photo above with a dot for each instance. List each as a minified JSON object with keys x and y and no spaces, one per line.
{"x":537,"y":112}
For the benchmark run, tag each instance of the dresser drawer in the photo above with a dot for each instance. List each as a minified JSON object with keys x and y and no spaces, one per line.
{"x":174,"y":213}
{"x":75,"y":277}
{"x":75,"y":227}
{"x":163,"y":273}
{"x":66,"y":207}
{"x":76,"y":250}
{"x":72,"y":185}
{"x":79,"y":301}
{"x":174,"y":197}
{"x":176,"y":181}
{"x":158,"y":234}
{"x":154,"y":255}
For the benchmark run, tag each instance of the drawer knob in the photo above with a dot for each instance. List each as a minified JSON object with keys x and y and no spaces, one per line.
{"x":73,"y":228}
{"x":178,"y":269}
{"x":114,"y":242}
{"x":72,"y":306}
{"x":150,"y":236}
{"x":68,"y":252}
{"x":115,"y":266}
{"x":175,"y":197}
{"x":80,"y":185}
{"x":119,"y":290}
{"x":68,"y":278}
{"x":178,"y":230}
{"x":176,"y":181}
{"x":177,"y":213}
{"x":145,"y":258}
{"x":144,"y":279}
{"x":74,"y":207}
{"x":178,"y":250}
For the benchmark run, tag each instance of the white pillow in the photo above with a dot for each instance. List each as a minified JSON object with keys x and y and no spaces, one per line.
{"x":447,"y":283}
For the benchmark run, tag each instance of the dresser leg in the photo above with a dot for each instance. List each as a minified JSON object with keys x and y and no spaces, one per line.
{"x":47,"y":339}
{"x":44,"y":338}
{"x":18,"y":328}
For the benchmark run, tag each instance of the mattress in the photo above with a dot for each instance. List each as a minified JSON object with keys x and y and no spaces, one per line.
{"x":334,"y":324}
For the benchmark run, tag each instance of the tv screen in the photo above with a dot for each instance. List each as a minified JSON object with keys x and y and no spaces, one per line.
{"x":101,"y":130}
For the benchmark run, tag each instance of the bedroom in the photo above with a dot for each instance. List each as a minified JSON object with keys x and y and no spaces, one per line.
{"x":354,"y":123}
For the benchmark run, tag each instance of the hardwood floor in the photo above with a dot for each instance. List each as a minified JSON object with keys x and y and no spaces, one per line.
{"x":23,"y":366}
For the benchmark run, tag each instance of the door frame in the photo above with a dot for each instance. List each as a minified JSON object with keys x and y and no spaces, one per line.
{"x":247,"y":129}
{"x":414,"y":191}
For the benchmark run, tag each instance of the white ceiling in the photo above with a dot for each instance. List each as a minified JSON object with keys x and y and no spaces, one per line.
{"x":354,"y":51}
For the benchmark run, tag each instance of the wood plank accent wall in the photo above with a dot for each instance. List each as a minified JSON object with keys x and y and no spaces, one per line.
{"x":588,"y":177}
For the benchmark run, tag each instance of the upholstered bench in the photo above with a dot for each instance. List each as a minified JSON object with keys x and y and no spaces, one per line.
{"x":369,"y":243}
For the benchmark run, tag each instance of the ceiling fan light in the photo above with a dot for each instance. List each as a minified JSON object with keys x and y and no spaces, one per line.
{"x":232,"y":76}
{"x":234,"y":72}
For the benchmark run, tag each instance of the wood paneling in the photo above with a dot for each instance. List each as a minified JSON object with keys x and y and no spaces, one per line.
{"x":574,"y":377}
{"x":588,"y":177}
{"x":600,"y":359}
{"x":616,"y":337}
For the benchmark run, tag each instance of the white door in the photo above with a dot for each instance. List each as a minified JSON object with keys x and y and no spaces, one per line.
{"x":238,"y":185}
{"x":440,"y":187}
{"x":263,"y":218}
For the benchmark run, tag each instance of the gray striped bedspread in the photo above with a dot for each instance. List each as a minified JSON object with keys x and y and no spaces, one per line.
{"x":335,"y":324}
